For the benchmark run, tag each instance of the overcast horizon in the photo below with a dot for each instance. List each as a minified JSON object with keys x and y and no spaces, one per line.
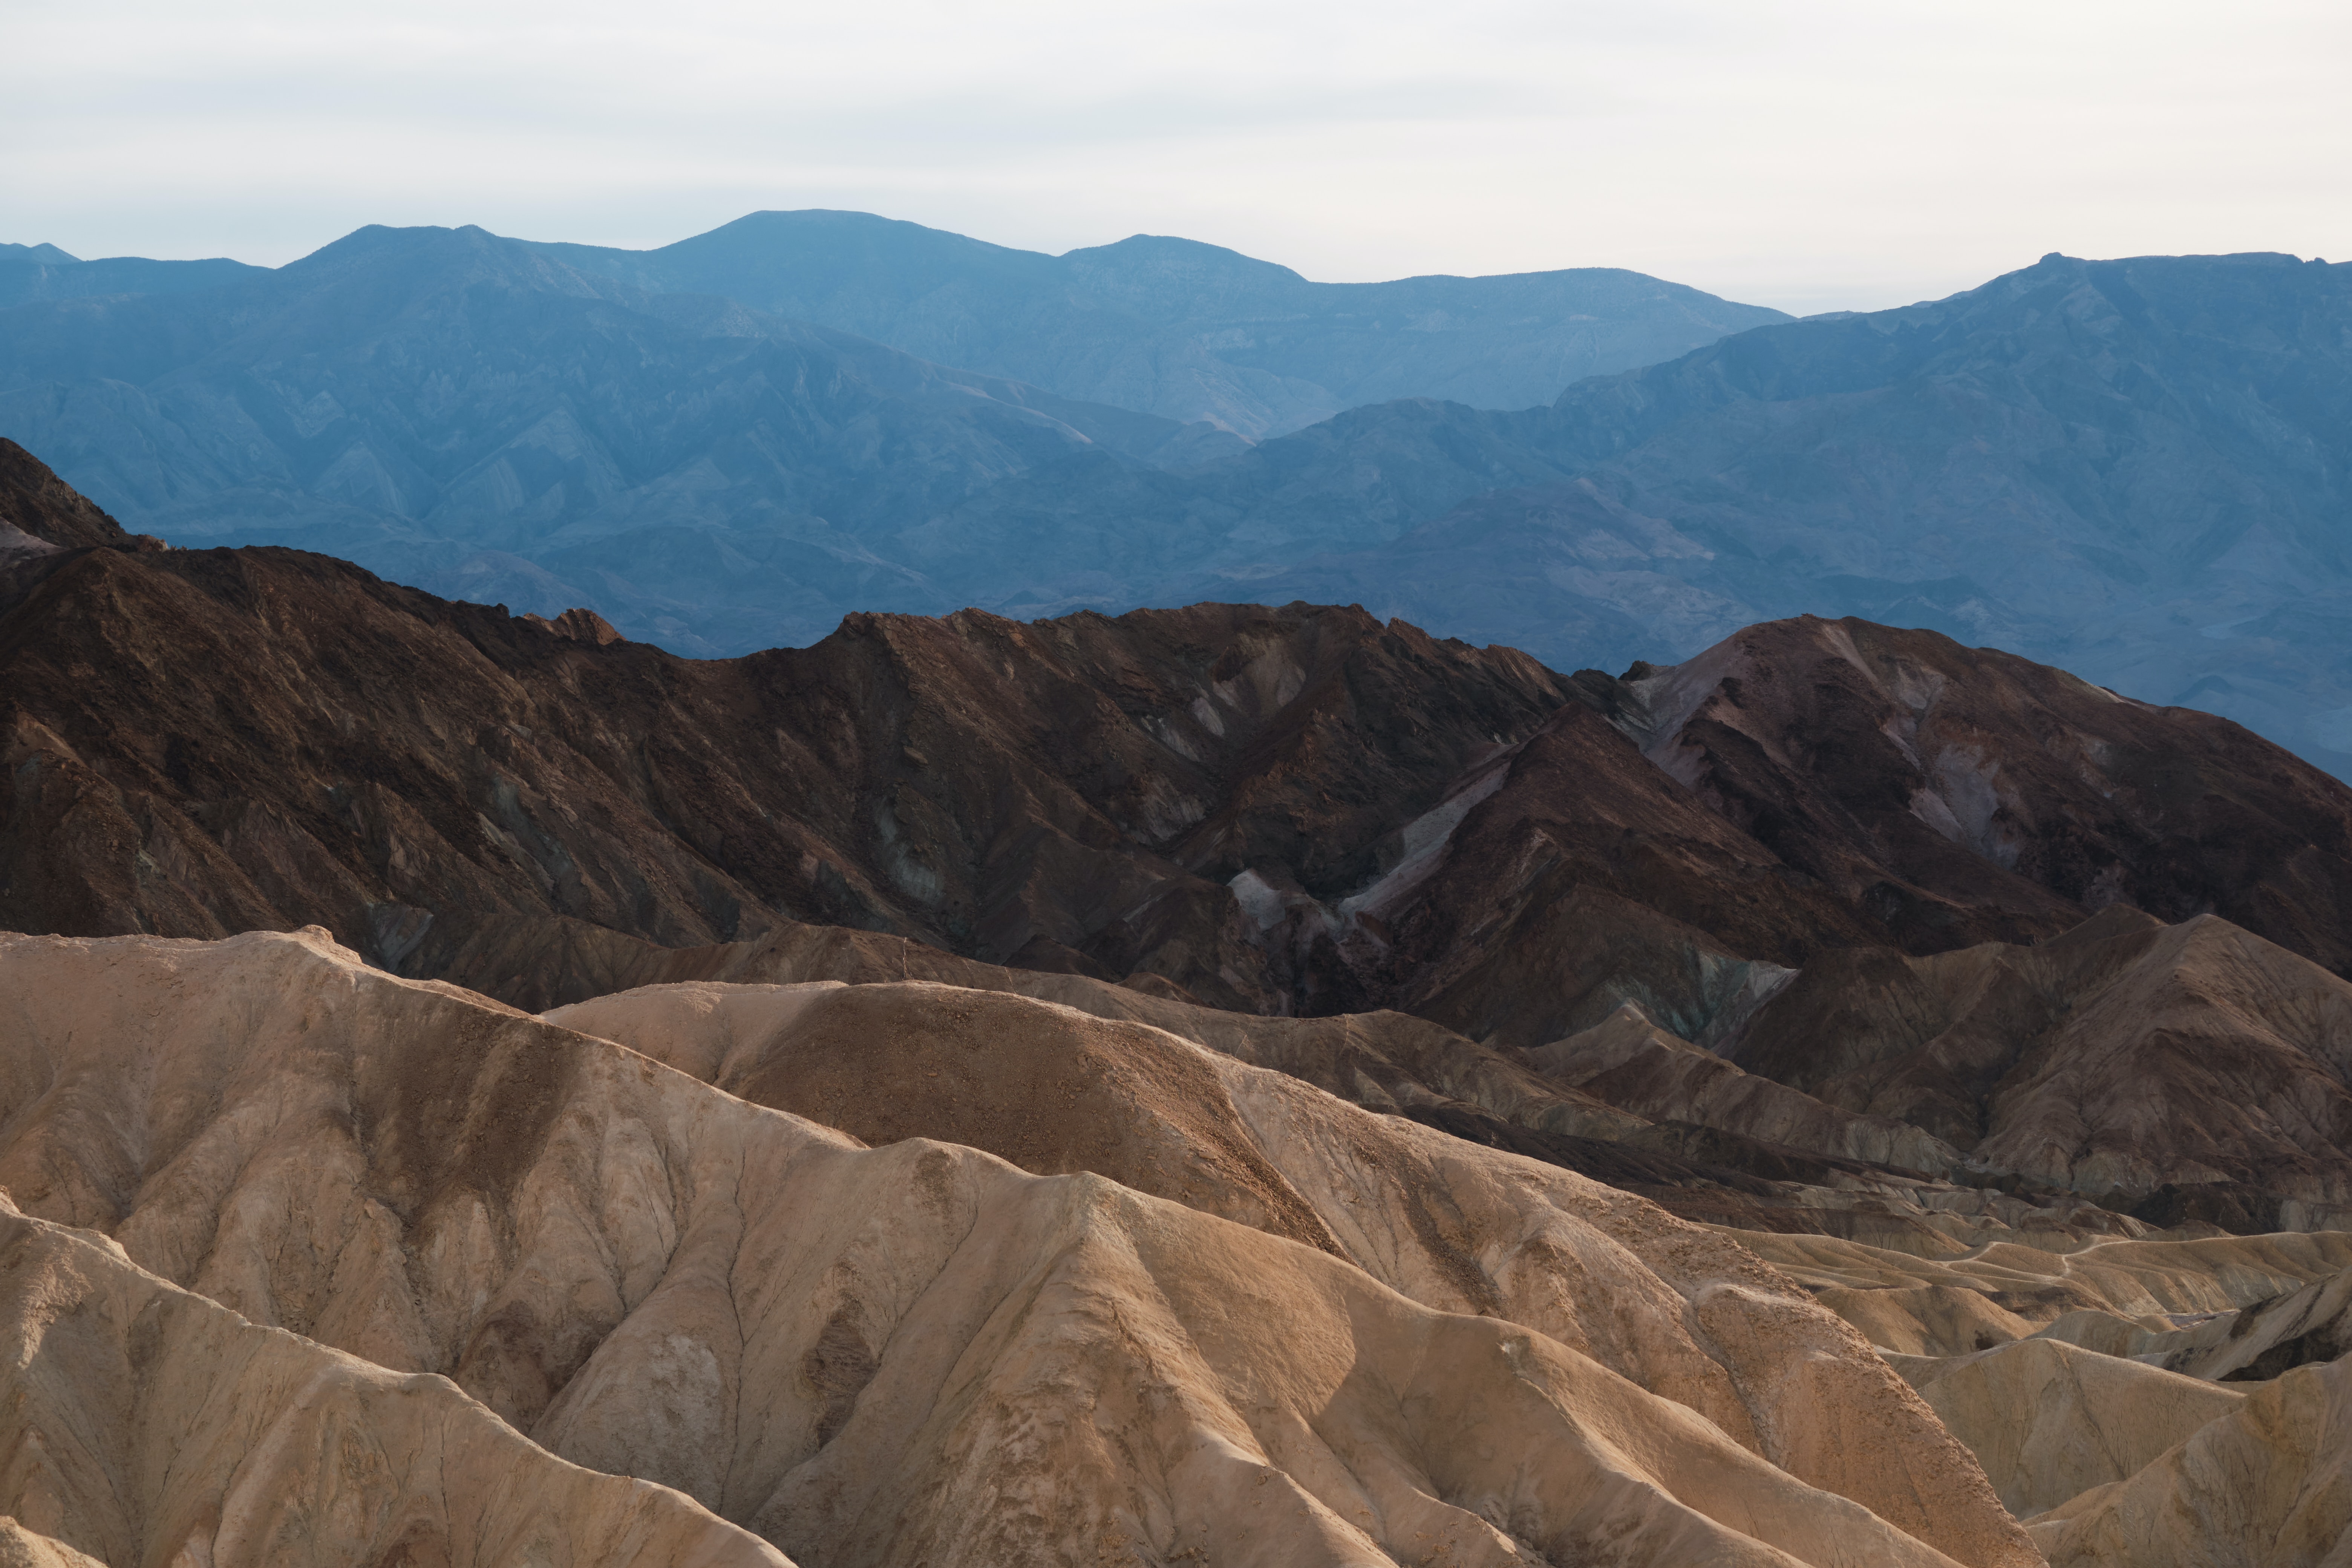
{"x":1810,"y":157}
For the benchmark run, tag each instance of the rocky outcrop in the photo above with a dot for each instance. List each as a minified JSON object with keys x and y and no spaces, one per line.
{"x":2260,"y":1340}
{"x":22,"y":1548}
{"x":653,"y":1278}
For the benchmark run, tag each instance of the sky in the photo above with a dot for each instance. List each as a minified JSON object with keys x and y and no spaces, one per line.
{"x":1812,"y":156}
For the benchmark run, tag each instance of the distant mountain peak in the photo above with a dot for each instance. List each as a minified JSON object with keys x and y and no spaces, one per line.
{"x":436,"y":256}
{"x":1180,"y":328}
{"x":44,"y":253}
{"x":1167,"y":257}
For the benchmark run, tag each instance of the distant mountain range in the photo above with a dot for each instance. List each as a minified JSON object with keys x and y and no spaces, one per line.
{"x":545,"y":424}
{"x":29,"y":272}
{"x":2140,"y":470}
{"x":1186,"y":330}
{"x":2136,"y":469}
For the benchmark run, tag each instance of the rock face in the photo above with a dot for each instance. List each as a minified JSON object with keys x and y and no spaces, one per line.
{"x":42,"y":508}
{"x":22,"y":1548}
{"x":147,"y":1424}
{"x":1964,"y":789}
{"x":861,"y":1353}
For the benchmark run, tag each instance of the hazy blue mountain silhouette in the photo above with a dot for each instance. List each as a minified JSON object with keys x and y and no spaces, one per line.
{"x":2135,"y":468}
{"x":2139,"y":469}
{"x":1187,"y":331}
{"x":30,"y":272}
{"x":446,"y":405}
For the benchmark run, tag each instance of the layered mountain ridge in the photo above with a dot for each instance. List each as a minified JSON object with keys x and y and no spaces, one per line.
{"x":858,"y":1354}
{"x":1278,"y":812}
{"x":2133,"y":467}
{"x":403,"y":388}
{"x":1219,"y":1085}
{"x":1183,"y":330}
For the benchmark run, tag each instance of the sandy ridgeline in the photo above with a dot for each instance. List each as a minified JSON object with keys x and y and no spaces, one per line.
{"x":305,"y":1263}
{"x":1397,"y":1349}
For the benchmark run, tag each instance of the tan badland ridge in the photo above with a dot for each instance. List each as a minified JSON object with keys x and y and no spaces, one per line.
{"x":2123,"y":1463}
{"x":1449,"y":1224}
{"x":2268,"y":1484}
{"x":2083,"y":1382}
{"x":2196,"y":1054}
{"x":2176,"y":1474}
{"x":145,"y":1424}
{"x":2053,"y":1423}
{"x":921,"y":1352}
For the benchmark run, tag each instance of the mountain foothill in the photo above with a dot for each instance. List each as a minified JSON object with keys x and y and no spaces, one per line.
{"x":1017,"y":963}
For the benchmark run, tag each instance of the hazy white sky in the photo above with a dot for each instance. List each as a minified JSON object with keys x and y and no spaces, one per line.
{"x":1810,"y":155}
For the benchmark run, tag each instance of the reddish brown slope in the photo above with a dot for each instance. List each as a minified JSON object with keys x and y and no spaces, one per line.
{"x":1966,"y":794}
{"x":2189,"y":1071}
{"x":1293,"y":810}
{"x":1810,"y":787}
{"x":205,"y":741}
{"x":34,"y":501}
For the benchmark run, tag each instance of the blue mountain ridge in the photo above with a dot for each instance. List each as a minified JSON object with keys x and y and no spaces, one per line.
{"x":2135,"y":468}
{"x":1187,"y":331}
